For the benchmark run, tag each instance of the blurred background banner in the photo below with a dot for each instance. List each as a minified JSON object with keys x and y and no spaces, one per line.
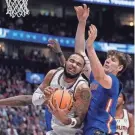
{"x":64,"y":41}
{"x":125,"y":3}
{"x":34,"y":78}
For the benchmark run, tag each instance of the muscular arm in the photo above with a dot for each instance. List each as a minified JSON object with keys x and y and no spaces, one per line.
{"x":131,"y":124}
{"x":61,"y":58}
{"x":80,"y":46}
{"x":96,"y":66}
{"x":82,"y":97}
{"x":80,"y":38}
{"x":55,"y":47}
{"x":47,"y":80}
{"x":80,"y":107}
{"x":98,"y":70}
{"x":43,"y":92}
{"x":21,"y":100}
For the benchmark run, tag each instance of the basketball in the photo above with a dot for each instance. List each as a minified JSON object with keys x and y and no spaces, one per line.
{"x":63,"y":98}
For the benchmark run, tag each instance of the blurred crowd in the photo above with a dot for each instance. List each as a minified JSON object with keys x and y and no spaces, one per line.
{"x":28,"y":120}
{"x":67,"y":27}
{"x":33,"y":55}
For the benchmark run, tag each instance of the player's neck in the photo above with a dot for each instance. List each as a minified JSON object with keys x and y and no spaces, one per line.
{"x":119,"y":112}
{"x":69,"y":80}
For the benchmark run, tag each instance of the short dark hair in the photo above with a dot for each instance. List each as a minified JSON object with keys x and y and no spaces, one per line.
{"x":80,"y":56}
{"x":124,"y":59}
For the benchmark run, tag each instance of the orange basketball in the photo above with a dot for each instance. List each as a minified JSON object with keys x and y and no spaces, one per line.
{"x":63,"y":98}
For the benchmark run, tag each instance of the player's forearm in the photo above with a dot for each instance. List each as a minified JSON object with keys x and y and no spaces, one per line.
{"x":80,"y":38}
{"x":96,"y":66}
{"x":21,"y":100}
{"x":62,"y":60}
{"x":38,"y":97}
{"x":131,"y":130}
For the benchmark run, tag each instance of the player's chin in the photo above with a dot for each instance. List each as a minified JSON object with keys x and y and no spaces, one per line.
{"x":71,"y":73}
{"x":106,"y":70}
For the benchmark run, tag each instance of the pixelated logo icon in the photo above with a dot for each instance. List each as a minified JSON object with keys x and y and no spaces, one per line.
{"x":17,"y":8}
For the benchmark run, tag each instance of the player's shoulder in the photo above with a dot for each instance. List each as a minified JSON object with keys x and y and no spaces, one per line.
{"x":83,"y":91}
{"x":54,"y":71}
{"x":115,"y":80}
{"x":83,"y":86}
{"x":51,"y":72}
{"x":130,"y":115}
{"x":113,"y":76}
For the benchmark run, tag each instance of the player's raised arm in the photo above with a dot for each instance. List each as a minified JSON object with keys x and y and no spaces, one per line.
{"x":82,"y":13}
{"x":43,"y":92}
{"x":21,"y":100}
{"x":96,"y":66}
{"x":55,"y":46}
{"x":131,"y":123}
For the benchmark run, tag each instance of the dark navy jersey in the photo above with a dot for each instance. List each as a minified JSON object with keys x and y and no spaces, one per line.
{"x":102,"y":107}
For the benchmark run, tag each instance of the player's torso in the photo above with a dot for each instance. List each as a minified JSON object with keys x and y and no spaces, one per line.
{"x":122,"y":124}
{"x":102,"y":108}
{"x":58,"y":82}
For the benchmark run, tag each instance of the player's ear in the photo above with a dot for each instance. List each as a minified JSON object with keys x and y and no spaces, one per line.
{"x":83,"y":70}
{"x":120,"y":68}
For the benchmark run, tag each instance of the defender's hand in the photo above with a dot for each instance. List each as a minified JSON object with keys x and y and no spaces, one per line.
{"x":82,"y":12}
{"x":54,"y":45}
{"x":92,"y":35}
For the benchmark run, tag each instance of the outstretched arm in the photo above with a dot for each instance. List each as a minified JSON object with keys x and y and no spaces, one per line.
{"x":55,"y":46}
{"x":96,"y":66}
{"x":82,"y":15}
{"x":44,"y":91}
{"x":21,"y":100}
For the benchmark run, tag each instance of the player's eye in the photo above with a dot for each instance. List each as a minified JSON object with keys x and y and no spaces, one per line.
{"x":72,"y":61}
{"x":78,"y":64}
{"x":113,"y":59}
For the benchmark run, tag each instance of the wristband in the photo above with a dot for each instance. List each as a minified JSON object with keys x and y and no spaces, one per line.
{"x":59,"y":54}
{"x":73,"y":123}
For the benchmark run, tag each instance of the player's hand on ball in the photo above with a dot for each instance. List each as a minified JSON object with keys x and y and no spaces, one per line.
{"x":92,"y":34}
{"x":48,"y":91}
{"x":54,"y":45}
{"x":60,"y":114}
{"x":82,"y":12}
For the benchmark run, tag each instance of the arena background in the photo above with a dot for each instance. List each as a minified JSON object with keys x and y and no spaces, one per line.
{"x":25,"y":58}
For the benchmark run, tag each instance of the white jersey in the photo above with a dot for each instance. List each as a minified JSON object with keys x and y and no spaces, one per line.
{"x":58,"y":82}
{"x":122,"y":124}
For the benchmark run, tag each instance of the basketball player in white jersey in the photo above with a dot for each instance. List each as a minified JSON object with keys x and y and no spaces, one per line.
{"x":68,"y":78}
{"x":124,"y":119}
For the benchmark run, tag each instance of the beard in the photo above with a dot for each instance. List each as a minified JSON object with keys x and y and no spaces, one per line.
{"x":70,"y":76}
